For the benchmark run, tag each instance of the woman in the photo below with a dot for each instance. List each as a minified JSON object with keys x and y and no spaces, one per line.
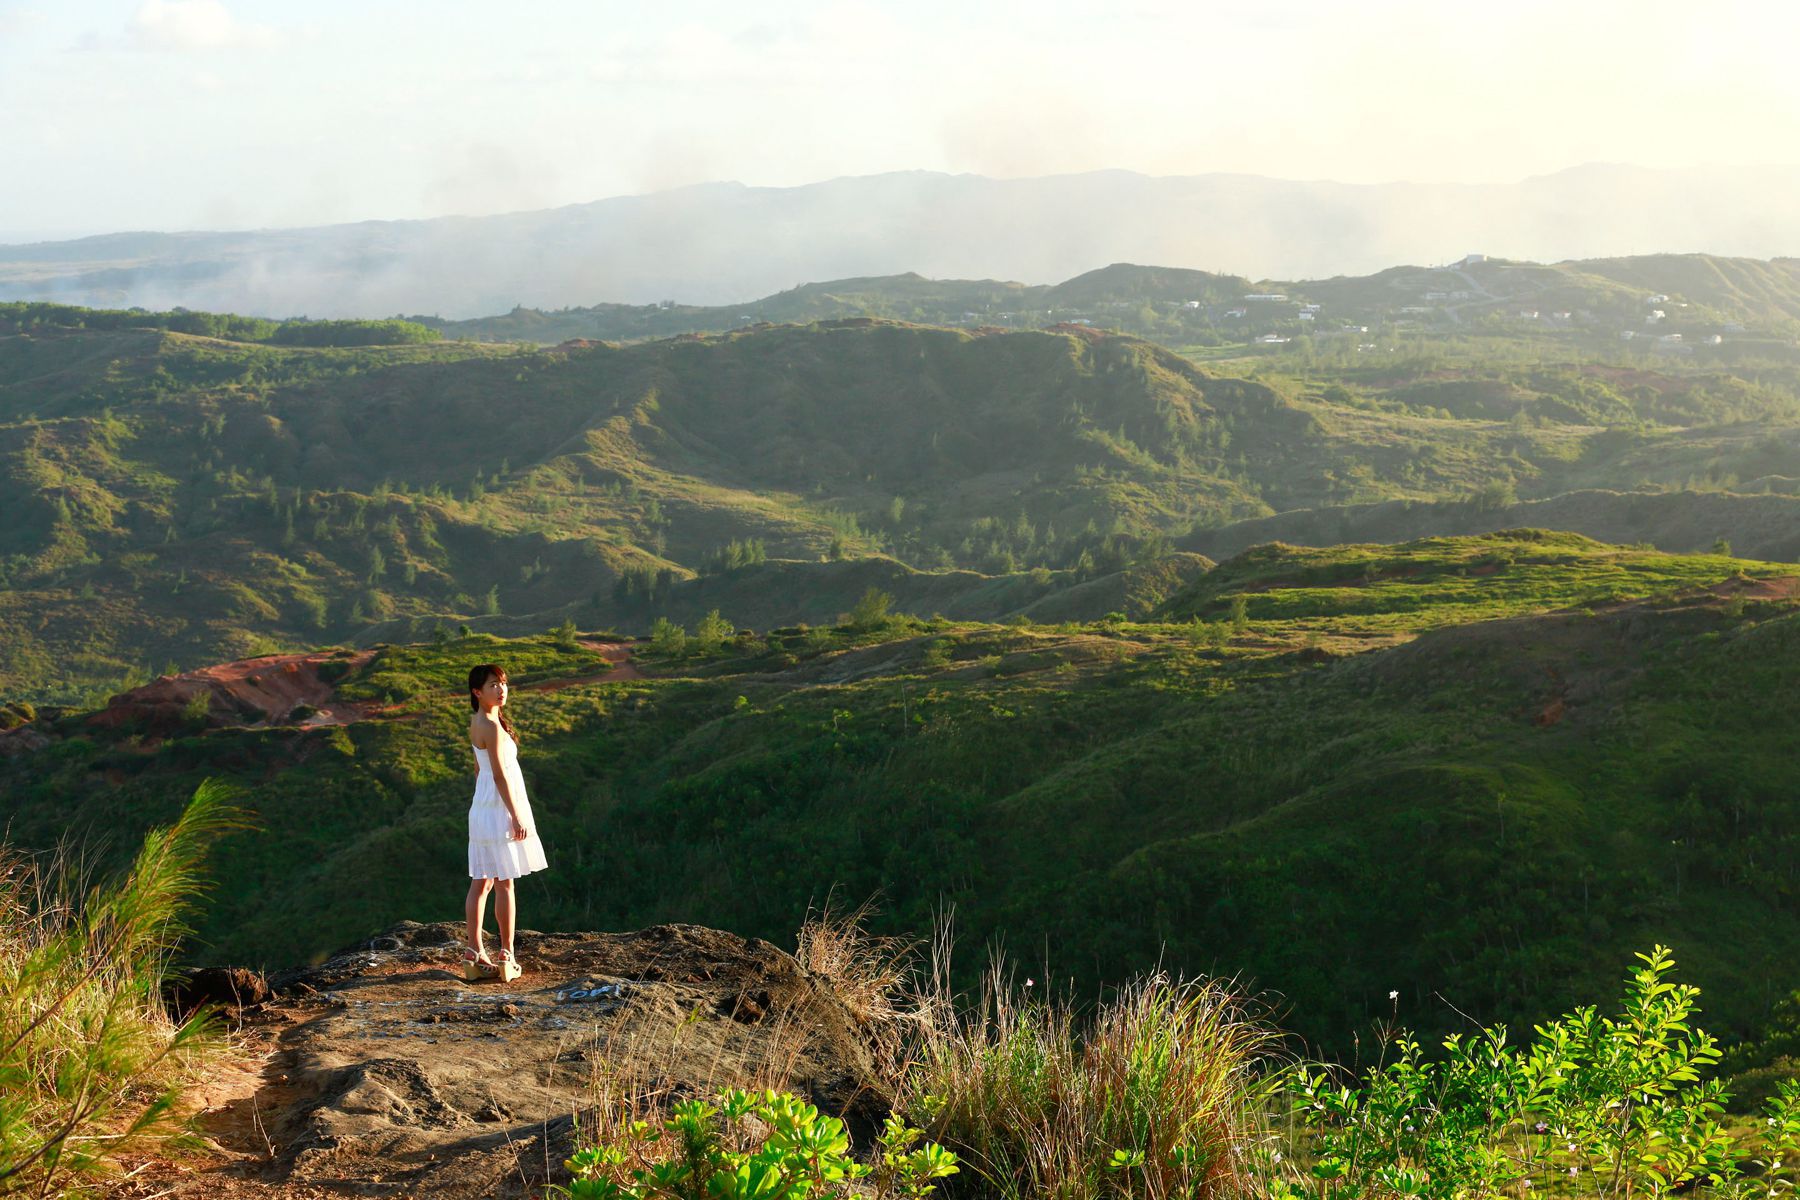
{"x":503,"y":843}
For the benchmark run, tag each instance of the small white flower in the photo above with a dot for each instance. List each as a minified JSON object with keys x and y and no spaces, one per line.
{"x":1393,"y":995}
{"x":1031,"y":983}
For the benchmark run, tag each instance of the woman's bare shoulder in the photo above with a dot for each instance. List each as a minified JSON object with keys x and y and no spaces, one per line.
{"x":481,"y":730}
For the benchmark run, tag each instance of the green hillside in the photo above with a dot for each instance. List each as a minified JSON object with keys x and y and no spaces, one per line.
{"x":1482,"y":768}
{"x":178,"y":498}
{"x":1585,"y":303}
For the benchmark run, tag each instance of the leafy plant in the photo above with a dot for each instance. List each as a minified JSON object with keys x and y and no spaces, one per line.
{"x":765,"y":1145}
{"x":1608,"y":1106}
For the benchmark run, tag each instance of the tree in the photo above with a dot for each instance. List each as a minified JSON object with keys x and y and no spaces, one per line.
{"x":666,"y":637}
{"x":871,"y":611}
{"x":712,"y":631}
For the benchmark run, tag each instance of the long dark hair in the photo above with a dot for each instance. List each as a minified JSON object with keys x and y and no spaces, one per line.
{"x":478,"y":678}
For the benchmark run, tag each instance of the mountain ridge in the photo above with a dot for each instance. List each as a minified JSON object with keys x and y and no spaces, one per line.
{"x":716,"y":244}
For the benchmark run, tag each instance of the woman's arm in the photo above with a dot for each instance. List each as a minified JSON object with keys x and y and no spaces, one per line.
{"x":501,"y":781}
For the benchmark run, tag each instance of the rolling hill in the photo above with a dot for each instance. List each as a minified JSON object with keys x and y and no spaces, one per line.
{"x":178,"y":497}
{"x":1483,"y":769}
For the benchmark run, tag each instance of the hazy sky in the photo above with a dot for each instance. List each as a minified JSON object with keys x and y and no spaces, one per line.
{"x":181,"y":114}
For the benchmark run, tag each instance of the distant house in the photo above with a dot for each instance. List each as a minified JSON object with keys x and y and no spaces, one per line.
{"x":1528,"y":314}
{"x":1437,"y":295}
{"x":1669,"y":338}
{"x":1658,"y":298}
{"x":1562,"y":316}
{"x":1267,"y":297}
{"x":1238,"y":312}
{"x":1306,"y":316}
{"x":1715,"y":340}
{"x":1470,"y":260}
{"x":1656,"y":314}
{"x":1191,"y":304}
{"x":1309,"y":308}
{"x":1414,"y":308}
{"x":1271,"y":339}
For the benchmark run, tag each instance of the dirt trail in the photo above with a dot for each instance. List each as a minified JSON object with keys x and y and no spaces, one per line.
{"x":383,"y":1073}
{"x":616,"y":653}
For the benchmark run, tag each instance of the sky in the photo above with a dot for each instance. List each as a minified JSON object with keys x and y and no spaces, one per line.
{"x":230,"y":114}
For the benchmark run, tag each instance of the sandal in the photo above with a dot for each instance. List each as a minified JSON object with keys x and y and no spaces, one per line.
{"x":478,"y":966}
{"x":509,"y":968}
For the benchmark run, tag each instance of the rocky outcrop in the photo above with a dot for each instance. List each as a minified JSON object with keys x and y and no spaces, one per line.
{"x":381,"y":1072}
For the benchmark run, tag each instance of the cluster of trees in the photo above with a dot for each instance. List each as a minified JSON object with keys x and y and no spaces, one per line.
{"x":26,"y":317}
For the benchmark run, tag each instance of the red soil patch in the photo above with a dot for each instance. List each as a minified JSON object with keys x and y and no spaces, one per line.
{"x":253,"y":691}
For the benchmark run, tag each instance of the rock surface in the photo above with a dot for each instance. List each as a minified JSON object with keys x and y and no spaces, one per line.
{"x":381,"y":1072}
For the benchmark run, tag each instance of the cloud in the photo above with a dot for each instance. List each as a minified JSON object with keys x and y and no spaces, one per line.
{"x":192,"y":25}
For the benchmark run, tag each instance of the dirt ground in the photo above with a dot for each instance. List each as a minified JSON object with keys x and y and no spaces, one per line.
{"x":276,"y":688}
{"x":382,"y":1072}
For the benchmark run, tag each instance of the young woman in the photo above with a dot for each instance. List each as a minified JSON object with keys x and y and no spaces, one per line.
{"x":503,"y":842}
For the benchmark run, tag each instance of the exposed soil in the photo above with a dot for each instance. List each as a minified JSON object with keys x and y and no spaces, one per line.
{"x":1786,"y":587}
{"x":382,"y":1072}
{"x":274,"y":689}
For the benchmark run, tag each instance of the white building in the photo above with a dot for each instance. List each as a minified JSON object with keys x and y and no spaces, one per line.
{"x":1272,"y":339}
{"x":1267,"y":297}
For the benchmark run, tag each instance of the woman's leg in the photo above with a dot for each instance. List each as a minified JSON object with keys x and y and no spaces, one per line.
{"x":475,"y":912}
{"x":503,"y":912}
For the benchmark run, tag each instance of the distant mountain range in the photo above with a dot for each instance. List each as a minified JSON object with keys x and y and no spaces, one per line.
{"x":724,"y":243}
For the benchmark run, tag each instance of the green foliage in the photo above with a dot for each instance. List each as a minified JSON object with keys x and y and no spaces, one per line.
{"x":668,"y":638}
{"x":752,"y":1146}
{"x":90,"y":1064}
{"x":870,"y":612}
{"x":1592,"y":1106}
{"x":352,"y":333}
{"x":712,"y":632}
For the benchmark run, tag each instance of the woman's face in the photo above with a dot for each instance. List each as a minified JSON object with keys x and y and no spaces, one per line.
{"x":493,"y":691}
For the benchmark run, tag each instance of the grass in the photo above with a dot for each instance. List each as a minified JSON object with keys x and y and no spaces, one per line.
{"x":91,"y":1064}
{"x":1488,"y":805}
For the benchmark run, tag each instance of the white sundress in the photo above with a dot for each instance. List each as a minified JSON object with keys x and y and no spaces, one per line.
{"x":492,"y":853}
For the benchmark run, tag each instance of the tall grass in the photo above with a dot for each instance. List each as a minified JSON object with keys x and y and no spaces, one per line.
{"x":1158,"y":1095}
{"x":90,"y":1062}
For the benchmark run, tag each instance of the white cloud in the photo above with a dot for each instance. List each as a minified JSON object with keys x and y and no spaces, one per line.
{"x":193,"y":25}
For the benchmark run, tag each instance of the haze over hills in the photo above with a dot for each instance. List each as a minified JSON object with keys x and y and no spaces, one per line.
{"x":725,"y":243}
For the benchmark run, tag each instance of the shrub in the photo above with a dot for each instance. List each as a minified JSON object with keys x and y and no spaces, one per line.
{"x":1593,"y":1106}
{"x":90,"y":1063}
{"x":666,"y":637}
{"x":871,"y":611}
{"x":712,"y":631}
{"x":750,"y":1146}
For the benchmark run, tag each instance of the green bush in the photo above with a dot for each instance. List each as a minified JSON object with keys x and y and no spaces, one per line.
{"x":751,"y":1146}
{"x":1592,"y":1106}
